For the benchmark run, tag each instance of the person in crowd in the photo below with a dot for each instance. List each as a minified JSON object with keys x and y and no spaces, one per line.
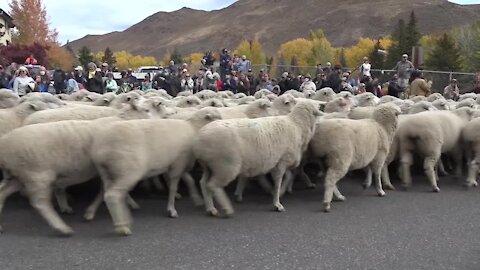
{"x":418,"y":85}
{"x":318,"y":70}
{"x":209,"y":81}
{"x":23,"y":83}
{"x":285,"y":82}
{"x":393,"y":88}
{"x":208,"y":59}
{"x":132,"y":80}
{"x":225,"y":63}
{"x":147,"y":83}
{"x":365,"y":68}
{"x":265,"y":83}
{"x":244,"y":65}
{"x":369,"y":86}
{"x":105,"y":69}
{"x":345,"y":86}
{"x":44,"y":81}
{"x":110,"y":84}
{"x":124,"y":83}
{"x":452,"y":91}
{"x":307,"y":84}
{"x":31,"y":60}
{"x":404,"y":69}
{"x":171,"y":68}
{"x":218,"y":81}
{"x":296,"y":82}
{"x":187,"y":83}
{"x":59,"y":79}
{"x":72,"y":85}
{"x":327,"y":69}
{"x":334,"y":79}
{"x":231,"y":82}
{"x":360,"y":89}
{"x":4,"y":78}
{"x":160,"y":80}
{"x":243,"y":84}
{"x":80,"y":77}
{"x":320,"y":81}
{"x":94,"y":79}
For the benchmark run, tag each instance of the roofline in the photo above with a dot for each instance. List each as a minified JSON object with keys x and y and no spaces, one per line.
{"x":7,"y":17}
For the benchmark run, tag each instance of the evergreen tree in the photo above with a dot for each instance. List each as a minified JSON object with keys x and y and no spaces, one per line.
{"x":399,"y":46}
{"x":108,"y":57}
{"x":294,"y":70}
{"x":412,"y":35}
{"x":445,"y":56}
{"x":176,"y":56}
{"x":342,"y":59}
{"x":85,"y":56}
{"x":377,"y":59}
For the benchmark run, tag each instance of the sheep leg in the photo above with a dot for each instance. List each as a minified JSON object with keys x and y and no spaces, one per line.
{"x":207,"y":194}
{"x":406,"y":162}
{"x":192,"y":189}
{"x":277,"y":175}
{"x":94,"y":205}
{"x":337,"y":195}
{"x":376,"y":169}
{"x":173,"y":186}
{"x":368,"y":178}
{"x":157,"y":183}
{"x":61,"y":196}
{"x":473,"y":168}
{"x":7,"y":188}
{"x":386,"y":178}
{"x":178,"y":196}
{"x":264,"y":183}
{"x":39,"y":193}
{"x":220,"y":196}
{"x":429,"y":167}
{"x":308,"y":182}
{"x":241,"y":184}
{"x":441,"y":169}
{"x":287,"y":183}
{"x":457,"y":156}
{"x":331,"y":178}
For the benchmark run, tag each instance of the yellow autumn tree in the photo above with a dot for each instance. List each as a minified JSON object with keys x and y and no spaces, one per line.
{"x":126,"y":60}
{"x":98,"y":56}
{"x":428,"y":42}
{"x":59,"y":57}
{"x":252,"y":49}
{"x":364,"y":47}
{"x":322,"y":50}
{"x":299,"y":48}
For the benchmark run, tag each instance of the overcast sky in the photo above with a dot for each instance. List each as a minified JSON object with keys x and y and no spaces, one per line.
{"x":75,"y":19}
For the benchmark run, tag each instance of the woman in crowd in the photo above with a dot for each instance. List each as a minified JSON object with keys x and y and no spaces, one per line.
{"x":110,"y":83}
{"x":72,"y":85}
{"x":23,"y":83}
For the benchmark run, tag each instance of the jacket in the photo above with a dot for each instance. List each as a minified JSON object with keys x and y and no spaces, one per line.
{"x":419,"y":87}
{"x":95,"y":84}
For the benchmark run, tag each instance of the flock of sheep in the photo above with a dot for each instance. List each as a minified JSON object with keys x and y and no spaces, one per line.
{"x":49,"y":143}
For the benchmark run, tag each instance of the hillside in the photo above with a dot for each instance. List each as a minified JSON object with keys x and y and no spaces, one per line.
{"x":276,"y":21}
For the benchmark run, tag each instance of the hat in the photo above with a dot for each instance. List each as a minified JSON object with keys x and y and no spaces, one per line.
{"x":104,"y":65}
{"x":23,"y":68}
{"x":405,"y":55}
{"x":308,"y":76}
{"x":285,"y":74}
{"x":79,"y":68}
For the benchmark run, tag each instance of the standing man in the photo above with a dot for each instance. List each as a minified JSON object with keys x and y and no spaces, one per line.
{"x":404,"y":68}
{"x":59,"y":79}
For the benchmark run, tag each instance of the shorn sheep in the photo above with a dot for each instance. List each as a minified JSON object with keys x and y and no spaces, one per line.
{"x":345,"y":144}
{"x":52,"y":156}
{"x":15,"y":117}
{"x":8,"y":99}
{"x":430,"y":134}
{"x":126,"y":152}
{"x":228,"y":149}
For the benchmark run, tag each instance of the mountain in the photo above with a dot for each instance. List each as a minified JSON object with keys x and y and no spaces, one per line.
{"x":274,"y":22}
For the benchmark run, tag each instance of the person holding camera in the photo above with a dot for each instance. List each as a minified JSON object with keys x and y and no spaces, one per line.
{"x":452,"y":91}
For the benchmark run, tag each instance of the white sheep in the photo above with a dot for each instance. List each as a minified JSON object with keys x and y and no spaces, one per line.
{"x":262,"y":93}
{"x":245,"y":100}
{"x":105,"y":100}
{"x":435,"y":96}
{"x":239,"y":96}
{"x":471,"y":143}
{"x":256,"y":109}
{"x":225,"y":94}
{"x":325,"y":94}
{"x":309,"y":94}
{"x":441,"y":104}
{"x":467,"y":102}
{"x":416,"y":99}
{"x":366,"y":99}
{"x":346,"y":144}
{"x":467,"y":95}
{"x":214,"y":102}
{"x":228,"y":149}
{"x":284,"y":104}
{"x":430,"y":134}
{"x":387,"y":98}
{"x":15,"y":117}
{"x":8,"y":99}
{"x":338,"y":104}
{"x":70,"y":113}
{"x":189,"y":101}
{"x":185,"y":94}
{"x":47,"y":98}
{"x":206,"y":94}
{"x":53,"y":156}
{"x":295,"y":93}
{"x":92,"y":97}
{"x":169,"y":150}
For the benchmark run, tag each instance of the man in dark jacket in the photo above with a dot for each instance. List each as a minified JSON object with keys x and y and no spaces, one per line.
{"x":94,"y":79}
{"x":285,"y":83}
{"x":4,"y":78}
{"x":59,"y":78}
{"x":334,"y":80}
{"x":393,"y":88}
{"x":225,"y":64}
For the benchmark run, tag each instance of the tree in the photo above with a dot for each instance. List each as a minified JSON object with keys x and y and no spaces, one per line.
{"x":445,"y":55}
{"x":85,"y":56}
{"x":176,"y":56}
{"x":108,"y":57}
{"x":468,"y":40}
{"x":126,"y":60}
{"x":412,"y":34}
{"x":297,"y":52}
{"x":17,"y":52}
{"x":342,"y":58}
{"x":30,"y":18}
{"x":322,"y":50}
{"x":399,"y":46}
{"x":376,"y":57}
{"x":252,"y":49}
{"x":355,"y":54}
{"x":59,"y":57}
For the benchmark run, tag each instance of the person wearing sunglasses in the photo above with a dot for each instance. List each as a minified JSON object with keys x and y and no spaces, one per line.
{"x":23,"y":83}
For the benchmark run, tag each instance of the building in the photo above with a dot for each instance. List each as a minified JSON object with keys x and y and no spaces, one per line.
{"x":6,"y":25}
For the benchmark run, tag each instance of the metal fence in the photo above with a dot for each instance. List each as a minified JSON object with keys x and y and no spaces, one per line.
{"x":439,"y":79}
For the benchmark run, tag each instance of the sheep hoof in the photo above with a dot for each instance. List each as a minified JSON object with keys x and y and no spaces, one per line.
{"x":238,"y":198}
{"x":67,"y":231}
{"x":311,"y":186}
{"x":123,"y":230}
{"x":341,"y":198}
{"x":436,"y":189}
{"x":389,"y":187}
{"x":172,"y":213}
{"x":212,"y":212}
{"x":279,"y":208}
{"x":178,"y":196}
{"x":326,"y":207}
{"x":89,"y":216}
{"x":381,"y":193}
{"x":67,"y":211}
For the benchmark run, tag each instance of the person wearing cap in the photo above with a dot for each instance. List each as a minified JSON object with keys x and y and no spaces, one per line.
{"x":105,"y":69}
{"x":23,"y":83}
{"x":4,"y":78}
{"x":94,"y":79}
{"x":80,"y":77}
{"x":285,"y":82}
{"x":187,"y":84}
{"x":452,"y":91}
{"x":404,"y":69}
{"x":308,"y":84}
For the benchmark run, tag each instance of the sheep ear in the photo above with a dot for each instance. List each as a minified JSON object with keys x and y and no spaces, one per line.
{"x":33,"y":106}
{"x":105,"y":100}
{"x":209,"y":116}
{"x":89,"y":98}
{"x":287,"y":102}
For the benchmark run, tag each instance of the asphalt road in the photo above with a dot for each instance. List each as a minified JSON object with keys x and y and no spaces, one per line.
{"x":404,"y":230}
